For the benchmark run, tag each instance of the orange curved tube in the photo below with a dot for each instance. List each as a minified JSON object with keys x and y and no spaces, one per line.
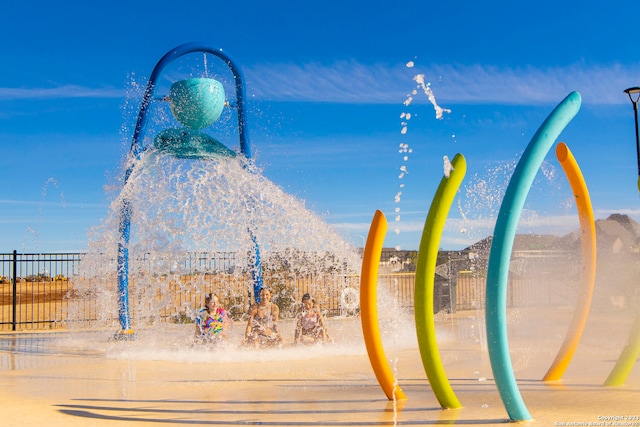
{"x":588,"y":276}
{"x":368,"y":308}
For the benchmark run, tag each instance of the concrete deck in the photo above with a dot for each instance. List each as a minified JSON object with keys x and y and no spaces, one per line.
{"x":82,"y":378}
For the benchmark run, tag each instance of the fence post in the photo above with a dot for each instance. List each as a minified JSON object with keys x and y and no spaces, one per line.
{"x":14,"y":283}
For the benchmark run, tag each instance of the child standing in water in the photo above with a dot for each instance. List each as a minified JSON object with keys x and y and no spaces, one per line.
{"x":212,"y":321}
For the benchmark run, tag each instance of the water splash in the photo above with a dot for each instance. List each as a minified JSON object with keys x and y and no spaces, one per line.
{"x":53,"y":182}
{"x":447,"y":166}
{"x":426,"y":88}
{"x":183,"y":207}
{"x":405,"y":150}
{"x":483,"y":193}
{"x":33,"y":230}
{"x":30,"y":232}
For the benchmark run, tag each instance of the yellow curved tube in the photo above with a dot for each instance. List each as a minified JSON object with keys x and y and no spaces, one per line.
{"x":425,"y":277}
{"x":588,"y":276}
{"x":368,"y":308}
{"x":627,"y":358}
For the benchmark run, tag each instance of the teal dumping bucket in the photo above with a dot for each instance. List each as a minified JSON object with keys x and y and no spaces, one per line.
{"x":197,"y":102}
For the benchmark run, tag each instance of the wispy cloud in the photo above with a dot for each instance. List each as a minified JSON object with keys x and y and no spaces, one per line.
{"x":60,"y":92}
{"x":548,"y":224}
{"x":43,"y":203}
{"x":460,"y":233}
{"x":353,"y":82}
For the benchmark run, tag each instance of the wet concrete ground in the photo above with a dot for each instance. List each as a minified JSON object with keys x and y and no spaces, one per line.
{"x":83,"y":378}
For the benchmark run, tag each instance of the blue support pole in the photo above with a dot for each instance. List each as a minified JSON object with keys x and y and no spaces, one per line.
{"x":123,"y":267}
{"x":256,"y":270}
{"x":135,"y":151}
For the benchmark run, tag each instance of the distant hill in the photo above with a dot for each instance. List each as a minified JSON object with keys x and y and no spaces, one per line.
{"x":555,"y":263}
{"x":616,"y":234}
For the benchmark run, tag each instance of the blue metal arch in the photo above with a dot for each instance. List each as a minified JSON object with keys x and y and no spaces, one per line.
{"x":245,"y":146}
{"x":136,"y":149}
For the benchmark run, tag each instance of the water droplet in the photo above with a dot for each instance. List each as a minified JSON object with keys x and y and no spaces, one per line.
{"x":447,"y":166}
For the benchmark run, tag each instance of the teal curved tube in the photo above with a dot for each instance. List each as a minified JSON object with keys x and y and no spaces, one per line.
{"x":502,"y":244}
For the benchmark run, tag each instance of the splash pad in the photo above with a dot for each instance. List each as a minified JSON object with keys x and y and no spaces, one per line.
{"x":77,"y":380}
{"x":159,"y":378}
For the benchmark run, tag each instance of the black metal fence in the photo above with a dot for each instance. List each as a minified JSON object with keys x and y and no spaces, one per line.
{"x":34,"y":289}
{"x":46,"y":291}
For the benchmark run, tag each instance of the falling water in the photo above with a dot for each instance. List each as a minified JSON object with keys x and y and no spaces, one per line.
{"x":183,"y":207}
{"x":405,"y":150}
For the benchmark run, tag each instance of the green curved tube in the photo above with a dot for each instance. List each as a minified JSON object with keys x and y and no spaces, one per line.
{"x":425,"y":275}
{"x":500,"y":255}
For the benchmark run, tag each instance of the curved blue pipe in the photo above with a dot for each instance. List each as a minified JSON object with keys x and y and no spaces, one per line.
{"x":124,"y":226}
{"x":245,"y":147}
{"x":502,"y":244}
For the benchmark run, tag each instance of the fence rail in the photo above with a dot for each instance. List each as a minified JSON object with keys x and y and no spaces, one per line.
{"x":45,"y":291}
{"x":34,"y":289}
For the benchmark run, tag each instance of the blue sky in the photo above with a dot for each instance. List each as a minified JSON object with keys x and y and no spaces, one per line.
{"x":326,"y":84}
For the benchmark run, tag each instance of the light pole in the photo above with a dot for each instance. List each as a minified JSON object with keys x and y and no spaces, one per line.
{"x":635,"y":92}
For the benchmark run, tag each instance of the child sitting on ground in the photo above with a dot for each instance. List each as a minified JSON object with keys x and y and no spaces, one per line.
{"x":310,"y":324}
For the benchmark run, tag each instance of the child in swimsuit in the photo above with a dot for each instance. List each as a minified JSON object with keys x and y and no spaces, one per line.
{"x":212,"y":321}
{"x":262,"y":327}
{"x":310,"y":324}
